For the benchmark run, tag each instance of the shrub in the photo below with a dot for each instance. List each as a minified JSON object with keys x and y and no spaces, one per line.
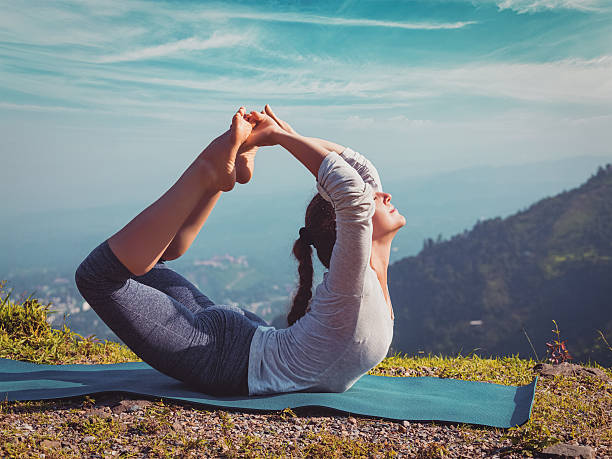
{"x":557,"y":352}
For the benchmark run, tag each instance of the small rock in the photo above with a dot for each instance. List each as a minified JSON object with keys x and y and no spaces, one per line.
{"x":405,"y":423}
{"x":130,"y":406}
{"x":66,"y":444}
{"x":562,"y":450}
{"x":569,"y":369}
{"x":50,"y":444}
{"x":27,"y":427}
{"x":102,"y":412}
{"x":89,"y":438}
{"x":352,"y":420}
{"x":118,"y":409}
{"x":177,"y":426}
{"x":402,"y":428}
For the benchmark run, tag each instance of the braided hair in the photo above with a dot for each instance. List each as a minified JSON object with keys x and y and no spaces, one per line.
{"x":319,"y":231}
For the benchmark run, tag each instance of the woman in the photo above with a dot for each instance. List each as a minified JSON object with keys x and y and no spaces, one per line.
{"x":219,"y":349}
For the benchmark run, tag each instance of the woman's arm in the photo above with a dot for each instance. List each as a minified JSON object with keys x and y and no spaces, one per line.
{"x":267,"y":132}
{"x":310,"y":153}
{"x":329,"y":146}
{"x":351,"y":197}
{"x":359,"y":162}
{"x":353,"y":202}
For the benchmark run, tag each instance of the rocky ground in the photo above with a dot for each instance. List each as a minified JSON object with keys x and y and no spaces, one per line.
{"x":571,"y":413}
{"x":111,"y":425}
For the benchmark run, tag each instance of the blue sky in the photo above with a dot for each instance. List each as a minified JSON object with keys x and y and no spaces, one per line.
{"x":107,"y":101}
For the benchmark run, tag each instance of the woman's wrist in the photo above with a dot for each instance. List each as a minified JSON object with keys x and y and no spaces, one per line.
{"x":282,"y":137}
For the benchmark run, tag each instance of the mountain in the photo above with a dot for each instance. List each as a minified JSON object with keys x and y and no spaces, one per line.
{"x":487,"y":289}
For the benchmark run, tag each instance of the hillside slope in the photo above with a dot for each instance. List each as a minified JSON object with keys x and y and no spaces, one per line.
{"x":550,"y":261}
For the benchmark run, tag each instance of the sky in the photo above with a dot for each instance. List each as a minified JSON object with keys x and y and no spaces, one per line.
{"x":105,"y":102}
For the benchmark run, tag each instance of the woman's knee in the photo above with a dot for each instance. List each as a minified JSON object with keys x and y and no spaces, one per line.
{"x":100,"y":271}
{"x":89,"y":283}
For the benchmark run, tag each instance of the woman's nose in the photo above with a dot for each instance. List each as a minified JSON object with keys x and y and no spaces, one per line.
{"x":387,"y":198}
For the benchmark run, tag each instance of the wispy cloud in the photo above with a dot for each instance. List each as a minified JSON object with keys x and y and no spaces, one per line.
{"x":531,"y":6}
{"x":564,"y":81}
{"x":38,"y":108}
{"x":330,"y":86}
{"x":51,"y":24}
{"x":333,"y":21}
{"x":185,"y":45}
{"x":281,"y":68}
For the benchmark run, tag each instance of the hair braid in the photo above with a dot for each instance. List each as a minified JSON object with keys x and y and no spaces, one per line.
{"x":320,"y":231}
{"x":303,"y":254}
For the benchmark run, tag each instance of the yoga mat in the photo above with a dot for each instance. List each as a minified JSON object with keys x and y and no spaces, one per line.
{"x":410,"y":398}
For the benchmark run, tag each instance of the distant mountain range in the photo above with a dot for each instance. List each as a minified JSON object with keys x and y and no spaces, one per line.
{"x":485,"y":290}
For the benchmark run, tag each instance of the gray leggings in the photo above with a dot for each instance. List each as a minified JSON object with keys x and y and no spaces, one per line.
{"x":170,"y":324}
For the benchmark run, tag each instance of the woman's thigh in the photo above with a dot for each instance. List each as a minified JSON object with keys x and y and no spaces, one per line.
{"x":192,"y":347}
{"x":168,"y":281}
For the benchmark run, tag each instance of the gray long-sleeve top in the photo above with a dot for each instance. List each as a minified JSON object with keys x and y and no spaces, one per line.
{"x":348,"y":329}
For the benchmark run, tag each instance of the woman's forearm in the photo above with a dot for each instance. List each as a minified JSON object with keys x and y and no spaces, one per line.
{"x":308,"y":151}
{"x":330,"y":146}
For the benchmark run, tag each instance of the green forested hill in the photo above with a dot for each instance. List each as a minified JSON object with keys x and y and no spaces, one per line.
{"x":550,"y":261}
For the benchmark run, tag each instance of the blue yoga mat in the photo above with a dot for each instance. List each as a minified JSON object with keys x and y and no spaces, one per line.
{"x":411,"y":398}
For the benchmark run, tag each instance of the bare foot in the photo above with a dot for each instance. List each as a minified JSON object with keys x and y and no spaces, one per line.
{"x":245,"y":159}
{"x":283,"y":124}
{"x":240,"y":128}
{"x":220,"y":155}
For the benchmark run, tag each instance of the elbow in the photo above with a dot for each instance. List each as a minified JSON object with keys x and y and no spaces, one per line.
{"x":357,"y":206}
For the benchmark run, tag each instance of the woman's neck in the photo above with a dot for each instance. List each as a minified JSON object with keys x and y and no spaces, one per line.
{"x":379,"y":261}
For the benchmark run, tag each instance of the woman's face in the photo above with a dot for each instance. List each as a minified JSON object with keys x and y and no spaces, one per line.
{"x":386,"y":220}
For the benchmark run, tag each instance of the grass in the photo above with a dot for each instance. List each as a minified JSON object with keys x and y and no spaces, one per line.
{"x":568,"y":409}
{"x":25,"y":334}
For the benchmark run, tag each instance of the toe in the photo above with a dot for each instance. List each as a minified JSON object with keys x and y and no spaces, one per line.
{"x":256,"y":116}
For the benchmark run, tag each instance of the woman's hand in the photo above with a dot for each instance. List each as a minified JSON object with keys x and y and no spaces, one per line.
{"x":283,"y":124}
{"x":330,"y":146}
{"x":265,"y":131}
